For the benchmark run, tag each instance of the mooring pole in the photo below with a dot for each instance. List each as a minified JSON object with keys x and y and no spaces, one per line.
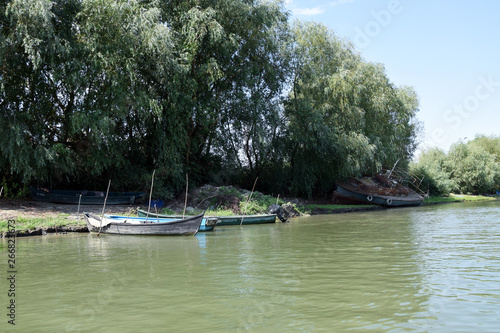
{"x":103,"y":207}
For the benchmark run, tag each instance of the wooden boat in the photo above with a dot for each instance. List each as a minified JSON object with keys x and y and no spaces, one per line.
{"x":226,"y":220}
{"x":377,"y":190}
{"x":207,"y":223}
{"x":142,"y":226}
{"x":246,"y":219}
{"x":84,"y":197}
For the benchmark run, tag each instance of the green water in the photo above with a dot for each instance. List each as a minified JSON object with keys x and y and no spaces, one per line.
{"x":425,"y":269}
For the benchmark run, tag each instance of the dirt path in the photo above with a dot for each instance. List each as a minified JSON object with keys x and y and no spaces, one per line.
{"x":13,"y":209}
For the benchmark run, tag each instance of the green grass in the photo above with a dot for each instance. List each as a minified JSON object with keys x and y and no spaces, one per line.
{"x":433,"y":200}
{"x":166,"y":211}
{"x":219,"y":212}
{"x":257,"y":206}
{"x":32,"y":223}
{"x":458,"y":198}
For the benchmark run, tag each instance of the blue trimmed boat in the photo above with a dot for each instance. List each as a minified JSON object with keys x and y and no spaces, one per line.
{"x":207,"y":223}
{"x":142,"y":226}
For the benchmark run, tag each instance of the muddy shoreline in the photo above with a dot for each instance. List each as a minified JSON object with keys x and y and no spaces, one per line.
{"x":13,"y":209}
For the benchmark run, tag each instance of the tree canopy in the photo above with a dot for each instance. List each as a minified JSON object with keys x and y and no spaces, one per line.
{"x":225,"y":91}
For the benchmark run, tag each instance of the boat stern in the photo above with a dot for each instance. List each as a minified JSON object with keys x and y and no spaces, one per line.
{"x":211,"y":221}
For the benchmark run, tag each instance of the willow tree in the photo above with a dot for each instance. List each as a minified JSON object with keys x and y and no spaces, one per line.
{"x":325,"y":123}
{"x":389,"y":117}
{"x":132,"y":62}
{"x":230,"y":96}
{"x":75,"y":86}
{"x":36,"y":53}
{"x":345,"y":117}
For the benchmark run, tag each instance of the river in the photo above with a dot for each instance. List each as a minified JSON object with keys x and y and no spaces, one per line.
{"x":424,"y":269}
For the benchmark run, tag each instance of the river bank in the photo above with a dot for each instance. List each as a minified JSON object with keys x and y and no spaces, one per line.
{"x":35,"y":218}
{"x":38,"y":218}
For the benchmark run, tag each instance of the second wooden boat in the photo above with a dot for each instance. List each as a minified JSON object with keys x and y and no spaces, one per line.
{"x":378,"y":190}
{"x":225,"y":220}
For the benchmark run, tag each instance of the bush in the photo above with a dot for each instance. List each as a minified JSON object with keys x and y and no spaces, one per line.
{"x":436,"y":177}
{"x":471,"y":168}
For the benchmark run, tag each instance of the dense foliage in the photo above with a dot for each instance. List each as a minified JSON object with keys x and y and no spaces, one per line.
{"x":471,"y":168}
{"x":345,"y":118}
{"x":225,"y":91}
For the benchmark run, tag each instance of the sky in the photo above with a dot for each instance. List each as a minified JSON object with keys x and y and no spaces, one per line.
{"x":448,"y":51}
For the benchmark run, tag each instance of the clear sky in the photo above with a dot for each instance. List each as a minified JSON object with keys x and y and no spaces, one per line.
{"x":448,"y":51}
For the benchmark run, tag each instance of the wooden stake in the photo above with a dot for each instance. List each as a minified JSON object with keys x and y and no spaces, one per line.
{"x":248,"y":200}
{"x":186,"y":200}
{"x":103,"y":207}
{"x":1,"y":191}
{"x":157,"y":216}
{"x":79,"y":200}
{"x":150,"y":194}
